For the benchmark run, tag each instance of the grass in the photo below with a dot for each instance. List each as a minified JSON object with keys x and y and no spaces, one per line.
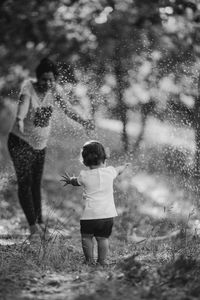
{"x":155,"y":199}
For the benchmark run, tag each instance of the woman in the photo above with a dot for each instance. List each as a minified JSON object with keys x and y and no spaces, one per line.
{"x":29,"y":136}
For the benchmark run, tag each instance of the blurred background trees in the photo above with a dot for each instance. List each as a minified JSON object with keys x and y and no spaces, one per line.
{"x":128,"y":56}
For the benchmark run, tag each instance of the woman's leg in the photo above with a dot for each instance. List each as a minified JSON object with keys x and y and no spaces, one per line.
{"x":37,"y":171}
{"x":103,"y":247}
{"x":88,"y":247}
{"x":21,"y":154}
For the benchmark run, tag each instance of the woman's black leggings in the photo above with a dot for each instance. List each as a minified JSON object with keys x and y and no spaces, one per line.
{"x":28,"y":164}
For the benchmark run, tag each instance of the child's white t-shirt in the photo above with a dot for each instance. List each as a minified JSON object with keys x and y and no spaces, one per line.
{"x":98,"y":193}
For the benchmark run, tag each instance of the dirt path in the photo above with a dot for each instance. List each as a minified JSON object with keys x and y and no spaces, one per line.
{"x":31,"y":272}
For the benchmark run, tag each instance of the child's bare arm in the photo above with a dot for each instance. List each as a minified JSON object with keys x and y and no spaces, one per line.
{"x":70,"y":180}
{"x":121,"y":169}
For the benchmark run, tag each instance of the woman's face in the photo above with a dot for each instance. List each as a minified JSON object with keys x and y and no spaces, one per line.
{"x":46,"y":81}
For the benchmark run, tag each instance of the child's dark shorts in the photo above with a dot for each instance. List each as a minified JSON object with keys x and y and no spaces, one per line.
{"x":97,"y":227}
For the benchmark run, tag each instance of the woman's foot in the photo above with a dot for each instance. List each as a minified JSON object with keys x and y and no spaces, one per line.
{"x":44,"y":231}
{"x":35,"y":234}
{"x":33,"y":229}
{"x":43,"y":227}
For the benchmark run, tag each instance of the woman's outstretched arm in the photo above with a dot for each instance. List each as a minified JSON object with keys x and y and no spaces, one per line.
{"x":71,"y":113}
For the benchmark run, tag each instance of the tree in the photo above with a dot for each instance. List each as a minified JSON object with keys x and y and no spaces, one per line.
{"x":133,"y":54}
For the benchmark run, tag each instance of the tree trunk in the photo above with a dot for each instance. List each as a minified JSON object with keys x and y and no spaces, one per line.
{"x":124,"y":120}
{"x":122,"y":108}
{"x":197,"y":150}
{"x":197,"y":137}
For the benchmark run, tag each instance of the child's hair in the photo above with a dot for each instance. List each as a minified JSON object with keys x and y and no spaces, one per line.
{"x":93,"y":153}
{"x":45,"y":66}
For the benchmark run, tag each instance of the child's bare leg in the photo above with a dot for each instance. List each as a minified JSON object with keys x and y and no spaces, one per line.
{"x":88,"y":247}
{"x":103,"y":246}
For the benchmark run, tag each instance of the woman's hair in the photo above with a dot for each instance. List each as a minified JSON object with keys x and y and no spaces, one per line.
{"x":46,"y":66}
{"x":93,"y":153}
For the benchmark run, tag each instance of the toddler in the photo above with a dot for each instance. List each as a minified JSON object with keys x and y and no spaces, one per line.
{"x":99,"y":209}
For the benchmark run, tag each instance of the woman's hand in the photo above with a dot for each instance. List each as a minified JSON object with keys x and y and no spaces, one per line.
{"x":20,"y":125}
{"x":66,"y":179}
{"x":89,"y":127}
{"x":89,"y":124}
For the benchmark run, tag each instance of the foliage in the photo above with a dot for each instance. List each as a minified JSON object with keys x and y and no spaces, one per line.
{"x":139,"y":39}
{"x":132,"y":55}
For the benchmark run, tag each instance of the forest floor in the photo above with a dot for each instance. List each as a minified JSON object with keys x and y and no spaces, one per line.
{"x":154,"y":248}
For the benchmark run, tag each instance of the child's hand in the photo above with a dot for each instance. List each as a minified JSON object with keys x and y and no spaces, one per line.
{"x":122,"y":168}
{"x":66,"y":179}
